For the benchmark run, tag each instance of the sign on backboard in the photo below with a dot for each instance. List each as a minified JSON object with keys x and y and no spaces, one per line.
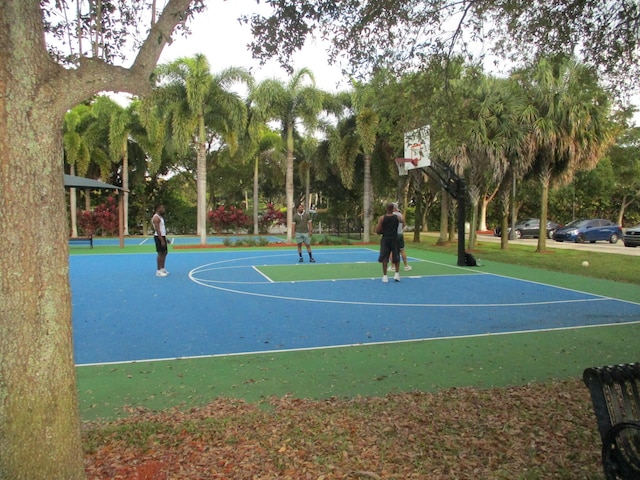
{"x":416,"y":150}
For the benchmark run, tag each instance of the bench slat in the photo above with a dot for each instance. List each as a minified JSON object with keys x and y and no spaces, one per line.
{"x":88,"y":240}
{"x":616,"y":403}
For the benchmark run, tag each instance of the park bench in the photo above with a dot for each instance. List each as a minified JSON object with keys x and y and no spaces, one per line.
{"x":615,"y":395}
{"x":89,"y":240}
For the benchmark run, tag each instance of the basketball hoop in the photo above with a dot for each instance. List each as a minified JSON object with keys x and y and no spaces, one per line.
{"x":402,"y":164}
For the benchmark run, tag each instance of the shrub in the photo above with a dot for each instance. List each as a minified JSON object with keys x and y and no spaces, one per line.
{"x":270,"y":217}
{"x":224,"y":219}
{"x":102,"y":220}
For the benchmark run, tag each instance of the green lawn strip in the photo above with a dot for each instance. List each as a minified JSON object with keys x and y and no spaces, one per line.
{"x":617,"y":267}
{"x":609,"y":288}
{"x":110,"y":391}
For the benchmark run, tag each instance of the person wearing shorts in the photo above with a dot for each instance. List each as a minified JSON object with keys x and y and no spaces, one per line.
{"x":403,"y":253}
{"x":160,"y":237}
{"x":302,"y":228}
{"x":387,"y":226}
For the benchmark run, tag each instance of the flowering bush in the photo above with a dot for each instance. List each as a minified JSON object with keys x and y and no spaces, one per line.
{"x":102,"y":220}
{"x":231,"y":219}
{"x":270,"y":217}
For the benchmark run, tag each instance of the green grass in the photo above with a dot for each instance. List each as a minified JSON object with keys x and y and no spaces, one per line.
{"x":608,"y":266}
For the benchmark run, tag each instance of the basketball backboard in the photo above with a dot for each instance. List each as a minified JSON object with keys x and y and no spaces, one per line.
{"x":416,"y":150}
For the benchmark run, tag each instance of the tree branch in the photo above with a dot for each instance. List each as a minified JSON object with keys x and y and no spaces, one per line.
{"x":94,"y":75}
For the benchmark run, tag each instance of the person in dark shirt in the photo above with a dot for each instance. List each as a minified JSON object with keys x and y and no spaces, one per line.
{"x":302,"y":230}
{"x":388,"y":227}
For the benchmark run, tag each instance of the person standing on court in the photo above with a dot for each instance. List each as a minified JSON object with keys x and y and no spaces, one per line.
{"x":160,"y":237}
{"x":403,"y":254}
{"x":302,"y":228}
{"x":387,"y":226}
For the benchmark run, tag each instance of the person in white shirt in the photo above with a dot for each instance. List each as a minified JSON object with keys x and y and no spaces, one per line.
{"x":160,"y":237}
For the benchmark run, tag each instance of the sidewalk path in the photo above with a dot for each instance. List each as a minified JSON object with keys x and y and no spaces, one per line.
{"x":603,"y":247}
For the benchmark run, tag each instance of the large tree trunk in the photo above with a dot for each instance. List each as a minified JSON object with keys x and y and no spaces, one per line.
{"x":39,"y":421}
{"x":39,"y":424}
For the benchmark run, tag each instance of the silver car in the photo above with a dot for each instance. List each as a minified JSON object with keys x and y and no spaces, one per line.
{"x":632,"y":236}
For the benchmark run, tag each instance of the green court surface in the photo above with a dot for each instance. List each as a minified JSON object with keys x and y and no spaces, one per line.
{"x":111,"y":390}
{"x":328,"y":271}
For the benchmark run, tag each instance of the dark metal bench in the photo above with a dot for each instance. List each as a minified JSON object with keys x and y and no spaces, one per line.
{"x":615,"y":394}
{"x":88,"y":240}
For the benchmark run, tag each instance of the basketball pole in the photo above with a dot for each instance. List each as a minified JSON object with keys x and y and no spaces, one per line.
{"x":457,"y":188}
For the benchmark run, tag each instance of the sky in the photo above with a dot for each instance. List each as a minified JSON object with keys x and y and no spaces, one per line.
{"x":217,"y":34}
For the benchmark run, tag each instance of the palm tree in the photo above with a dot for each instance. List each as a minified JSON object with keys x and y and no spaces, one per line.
{"x":86,"y":143}
{"x":121,"y":129}
{"x":570,"y":130}
{"x":308,"y":149}
{"x":297,"y":101}
{"x":498,"y":139}
{"x":76,"y":153}
{"x":198,"y":103}
{"x":355,"y":137}
{"x":268,"y":146}
{"x":367,"y":122}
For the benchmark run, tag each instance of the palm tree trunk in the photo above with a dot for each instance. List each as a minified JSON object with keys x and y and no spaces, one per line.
{"x":368,"y":191}
{"x":453,"y":208}
{"x":443,"y":239}
{"x":307,"y":188}
{"x":289,"y":181}
{"x":256,"y":229}
{"x":545,"y":179}
{"x":125,"y":186}
{"x":504,"y":217}
{"x":201,"y":185}
{"x":73,"y":206}
{"x":474,"y":193}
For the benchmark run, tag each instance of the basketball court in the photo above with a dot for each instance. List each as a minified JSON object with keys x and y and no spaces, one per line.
{"x":247,"y":301}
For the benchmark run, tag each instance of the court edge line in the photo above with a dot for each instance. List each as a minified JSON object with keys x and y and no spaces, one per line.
{"x":412,"y":305}
{"x":605,"y":297}
{"x":261,"y":273}
{"x":372,"y":344}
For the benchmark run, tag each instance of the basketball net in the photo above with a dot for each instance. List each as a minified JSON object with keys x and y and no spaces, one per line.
{"x":402,"y":164}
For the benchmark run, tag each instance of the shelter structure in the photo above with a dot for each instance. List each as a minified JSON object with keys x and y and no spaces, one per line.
{"x":71,"y":181}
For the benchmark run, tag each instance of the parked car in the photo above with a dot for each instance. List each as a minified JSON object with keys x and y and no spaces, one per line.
{"x":589,"y":230}
{"x":632,"y":236}
{"x":529,"y":227}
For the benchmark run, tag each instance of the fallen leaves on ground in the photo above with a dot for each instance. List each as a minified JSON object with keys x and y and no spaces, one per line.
{"x":531,"y":432}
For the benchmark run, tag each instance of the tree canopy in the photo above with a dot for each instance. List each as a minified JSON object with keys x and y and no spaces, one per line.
{"x":404,"y":34}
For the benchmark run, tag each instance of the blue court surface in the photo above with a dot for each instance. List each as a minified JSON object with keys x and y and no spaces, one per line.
{"x":240,"y":301}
